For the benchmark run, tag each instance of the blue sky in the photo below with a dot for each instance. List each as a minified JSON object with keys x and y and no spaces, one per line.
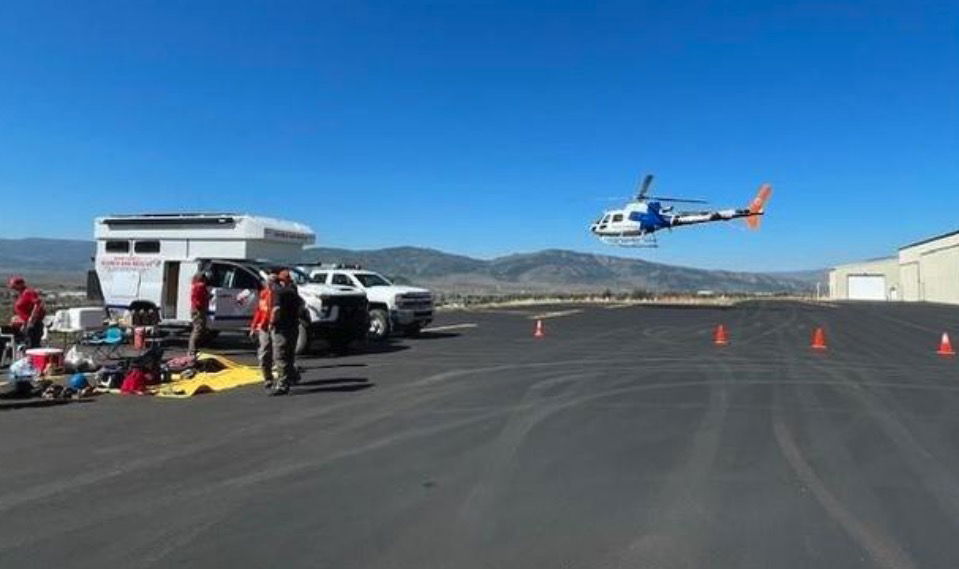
{"x":486,"y":128}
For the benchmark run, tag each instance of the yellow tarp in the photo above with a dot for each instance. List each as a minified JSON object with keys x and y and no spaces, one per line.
{"x":232,"y":375}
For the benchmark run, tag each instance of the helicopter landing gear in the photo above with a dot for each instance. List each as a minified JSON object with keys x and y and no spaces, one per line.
{"x":639,"y":241}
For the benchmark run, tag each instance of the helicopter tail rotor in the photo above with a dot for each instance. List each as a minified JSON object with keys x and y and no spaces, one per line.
{"x":757,"y":207}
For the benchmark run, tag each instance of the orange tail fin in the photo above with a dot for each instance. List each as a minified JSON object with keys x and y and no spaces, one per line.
{"x":758,"y":206}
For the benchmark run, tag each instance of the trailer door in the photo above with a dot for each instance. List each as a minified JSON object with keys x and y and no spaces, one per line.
{"x":171,"y":289}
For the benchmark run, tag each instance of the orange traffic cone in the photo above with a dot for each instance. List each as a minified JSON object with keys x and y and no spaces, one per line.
{"x":819,"y":339}
{"x":945,"y":346}
{"x":720,"y":338}
{"x":540,"y":332}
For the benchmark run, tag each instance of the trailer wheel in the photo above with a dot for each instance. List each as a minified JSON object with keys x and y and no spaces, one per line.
{"x":303,"y":339}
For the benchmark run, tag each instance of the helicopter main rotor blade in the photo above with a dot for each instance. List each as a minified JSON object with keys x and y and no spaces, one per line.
{"x":644,"y":188}
{"x":677,"y":200}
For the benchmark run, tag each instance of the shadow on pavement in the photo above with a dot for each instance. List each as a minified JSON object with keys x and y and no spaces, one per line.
{"x":435,"y":335}
{"x":381,"y":348}
{"x":334,"y":381}
{"x":331,"y":366}
{"x":10,"y":404}
{"x":340,"y":384}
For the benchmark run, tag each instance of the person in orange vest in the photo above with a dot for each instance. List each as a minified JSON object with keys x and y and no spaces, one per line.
{"x":261,"y":327}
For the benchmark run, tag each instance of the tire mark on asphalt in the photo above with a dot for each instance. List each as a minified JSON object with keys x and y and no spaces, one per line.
{"x":769,"y":331}
{"x":537,"y":405}
{"x":75,"y":481}
{"x":241,"y":481}
{"x":207,"y":489}
{"x":685,"y":498}
{"x":937,"y":478}
{"x":880,"y":546}
{"x":883,"y":550}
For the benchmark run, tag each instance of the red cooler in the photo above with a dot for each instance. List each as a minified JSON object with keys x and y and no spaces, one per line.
{"x":40,"y":358}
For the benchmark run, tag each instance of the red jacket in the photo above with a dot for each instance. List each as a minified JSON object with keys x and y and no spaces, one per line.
{"x":199,"y":296}
{"x":264,"y":310}
{"x":28,"y":301}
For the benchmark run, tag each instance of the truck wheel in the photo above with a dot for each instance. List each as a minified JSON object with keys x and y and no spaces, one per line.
{"x":303,"y":339}
{"x":379,"y":324}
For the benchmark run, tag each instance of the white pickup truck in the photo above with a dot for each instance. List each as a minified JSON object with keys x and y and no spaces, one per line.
{"x":393,"y":308}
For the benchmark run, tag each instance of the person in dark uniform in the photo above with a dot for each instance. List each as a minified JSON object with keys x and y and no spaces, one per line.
{"x":285,"y":322}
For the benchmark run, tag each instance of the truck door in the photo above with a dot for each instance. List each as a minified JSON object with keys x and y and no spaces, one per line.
{"x":342,"y":279}
{"x":233,"y":296}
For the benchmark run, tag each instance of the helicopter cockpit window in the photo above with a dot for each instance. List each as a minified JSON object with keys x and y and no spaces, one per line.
{"x":605,"y":219}
{"x":617,"y":218}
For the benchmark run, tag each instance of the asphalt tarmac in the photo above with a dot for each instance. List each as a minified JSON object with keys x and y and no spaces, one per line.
{"x":624,"y":438}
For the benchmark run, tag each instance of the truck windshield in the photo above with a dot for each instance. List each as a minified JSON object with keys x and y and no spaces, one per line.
{"x":369,"y":280}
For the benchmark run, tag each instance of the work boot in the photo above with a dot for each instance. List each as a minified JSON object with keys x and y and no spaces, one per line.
{"x":280,"y":388}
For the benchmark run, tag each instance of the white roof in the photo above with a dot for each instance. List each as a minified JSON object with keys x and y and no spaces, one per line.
{"x":225,"y":226}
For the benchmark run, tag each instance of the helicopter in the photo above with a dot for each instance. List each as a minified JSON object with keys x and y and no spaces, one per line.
{"x":637,"y":222}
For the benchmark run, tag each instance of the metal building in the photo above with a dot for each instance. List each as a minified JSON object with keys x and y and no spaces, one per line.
{"x":929,"y":269}
{"x":870,"y":280}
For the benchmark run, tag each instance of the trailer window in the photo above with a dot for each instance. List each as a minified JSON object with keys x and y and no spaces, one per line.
{"x":117,"y":246}
{"x":146,"y":247}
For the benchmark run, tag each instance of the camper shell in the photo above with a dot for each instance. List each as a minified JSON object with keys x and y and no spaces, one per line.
{"x":145,"y":263}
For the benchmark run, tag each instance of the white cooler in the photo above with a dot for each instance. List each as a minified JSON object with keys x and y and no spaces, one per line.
{"x":80,"y":319}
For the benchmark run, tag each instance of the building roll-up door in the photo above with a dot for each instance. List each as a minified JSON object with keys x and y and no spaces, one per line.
{"x":867,"y":287}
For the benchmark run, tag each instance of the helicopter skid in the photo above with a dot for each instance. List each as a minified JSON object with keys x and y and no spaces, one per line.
{"x":638,"y":241}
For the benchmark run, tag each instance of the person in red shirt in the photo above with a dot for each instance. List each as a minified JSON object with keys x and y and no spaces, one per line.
{"x":199,"y":311}
{"x":28,"y":312}
{"x":260,"y":327}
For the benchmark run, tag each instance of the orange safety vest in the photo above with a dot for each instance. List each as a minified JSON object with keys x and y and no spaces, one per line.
{"x":264,"y":310}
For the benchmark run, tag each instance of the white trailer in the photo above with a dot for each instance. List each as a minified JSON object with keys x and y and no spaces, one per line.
{"x":146,"y":263}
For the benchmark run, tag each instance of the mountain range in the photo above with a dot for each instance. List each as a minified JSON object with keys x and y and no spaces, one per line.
{"x":551,"y":270}
{"x":556,"y":270}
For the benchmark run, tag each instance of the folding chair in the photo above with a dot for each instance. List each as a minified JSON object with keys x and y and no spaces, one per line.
{"x":8,"y":349}
{"x":106,"y":344}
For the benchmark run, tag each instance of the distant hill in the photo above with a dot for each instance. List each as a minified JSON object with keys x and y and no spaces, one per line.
{"x":61,"y":255}
{"x":554,"y":270}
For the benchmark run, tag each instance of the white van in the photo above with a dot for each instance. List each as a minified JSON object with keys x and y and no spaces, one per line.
{"x":145,"y":264}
